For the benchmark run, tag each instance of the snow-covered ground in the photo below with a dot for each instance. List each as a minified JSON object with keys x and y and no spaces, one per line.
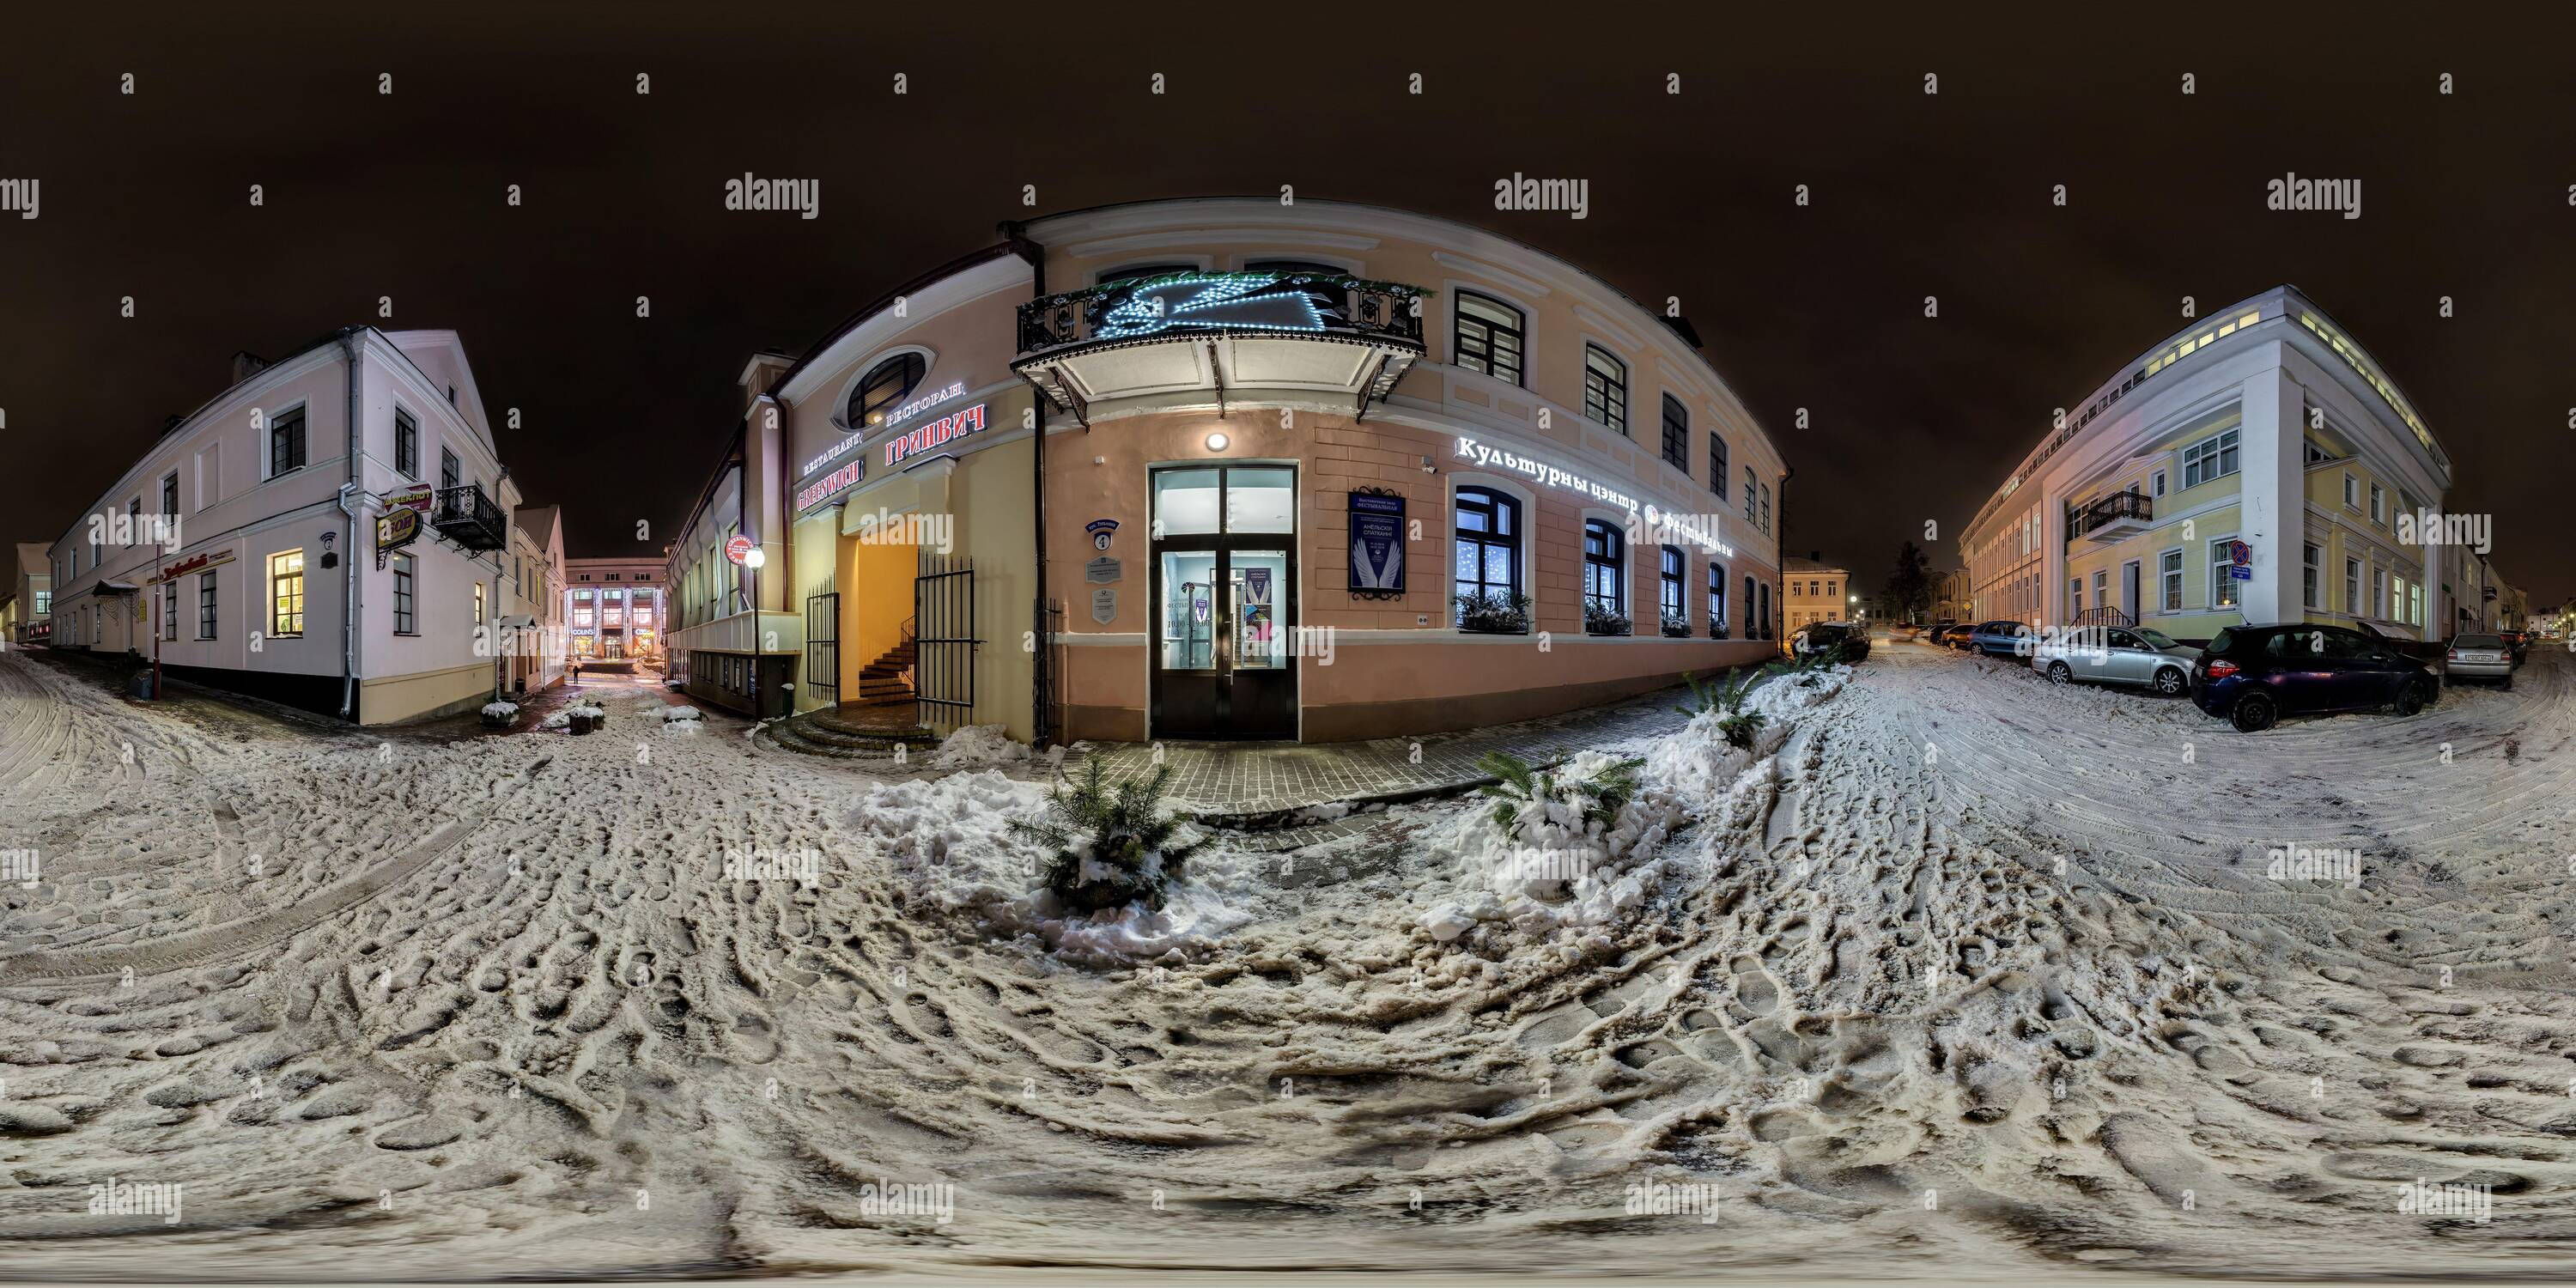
{"x":635,"y":1004}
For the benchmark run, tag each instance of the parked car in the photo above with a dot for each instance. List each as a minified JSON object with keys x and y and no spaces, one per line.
{"x":1824,"y":637}
{"x":2479,"y":657}
{"x":2001,"y":639}
{"x":2116,"y":655}
{"x":1952,"y":634}
{"x":2518,"y":641}
{"x":2251,"y":676}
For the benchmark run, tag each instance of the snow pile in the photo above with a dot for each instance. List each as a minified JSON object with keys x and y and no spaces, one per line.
{"x":682,"y":713}
{"x":948,"y":842}
{"x":501,"y":710}
{"x":682,"y":720}
{"x":977,"y":746}
{"x":1699,"y":765}
{"x":556,"y":720}
{"x":1558,"y":861}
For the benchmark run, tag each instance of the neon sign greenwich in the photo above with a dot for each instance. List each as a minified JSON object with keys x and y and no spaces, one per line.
{"x":1541,"y":471}
{"x":943,"y":430}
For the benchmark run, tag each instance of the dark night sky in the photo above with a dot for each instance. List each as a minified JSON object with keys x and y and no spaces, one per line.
{"x":1821,"y":307}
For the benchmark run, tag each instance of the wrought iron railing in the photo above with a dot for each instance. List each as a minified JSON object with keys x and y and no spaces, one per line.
{"x":2132,"y":504}
{"x":1208,"y":304}
{"x":468,"y":517}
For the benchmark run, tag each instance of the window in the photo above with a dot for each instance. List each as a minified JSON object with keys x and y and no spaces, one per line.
{"x":286,"y":594}
{"x":2415,"y":603}
{"x":2102,"y":588}
{"x":478,"y":603}
{"x":2378,"y":505}
{"x":2159,"y":483}
{"x":1833,"y":590}
{"x":170,"y":609}
{"x":2169,"y":575}
{"x":2352,"y":585}
{"x":1669,"y":598}
{"x":2316,"y":452}
{"x":1717,"y":466}
{"x":2222,"y":584}
{"x":45,"y":602}
{"x":2309,"y":573}
{"x":170,"y":496}
{"x":585,"y":577}
{"x":1766,"y":507}
{"x":1604,"y":560}
{"x":887,"y":383}
{"x":205,"y":606}
{"x":612,"y":576}
{"x":1748,"y":498}
{"x":406,"y":444}
{"x":406,"y":596}
{"x":1487,"y":337}
{"x":1716,"y":602}
{"x":1749,"y":625}
{"x":1763,"y":617}
{"x":286,"y":442}
{"x":2351,"y":492}
{"x":2379,"y":593}
{"x":1676,"y":434}
{"x":2075,"y":595}
{"x":2210,"y":458}
{"x":1605,"y":388}
{"x":1488,"y":558}
{"x":451,"y":472}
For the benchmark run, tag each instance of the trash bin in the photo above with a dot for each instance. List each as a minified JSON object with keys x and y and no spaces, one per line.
{"x":141,"y":685}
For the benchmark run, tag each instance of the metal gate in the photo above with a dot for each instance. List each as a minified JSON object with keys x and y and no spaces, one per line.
{"x":823,"y":647}
{"x":943,"y":614}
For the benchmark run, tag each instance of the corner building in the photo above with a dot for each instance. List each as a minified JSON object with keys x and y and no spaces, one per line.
{"x":1218,"y":468}
{"x":2264,"y":424}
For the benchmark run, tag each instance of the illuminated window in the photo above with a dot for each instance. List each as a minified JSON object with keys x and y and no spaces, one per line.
{"x":286,"y":594}
{"x":478,"y":603}
{"x":1716,"y":602}
{"x":1488,"y":552}
{"x":1605,"y":560}
{"x":887,"y":383}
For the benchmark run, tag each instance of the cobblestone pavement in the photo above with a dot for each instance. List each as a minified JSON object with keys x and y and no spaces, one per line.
{"x":1251,"y":778}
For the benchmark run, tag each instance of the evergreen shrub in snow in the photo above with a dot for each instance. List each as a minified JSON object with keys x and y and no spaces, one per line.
{"x":1113,"y":844}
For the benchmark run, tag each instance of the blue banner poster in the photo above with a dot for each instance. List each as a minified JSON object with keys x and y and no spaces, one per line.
{"x":1377,"y":542}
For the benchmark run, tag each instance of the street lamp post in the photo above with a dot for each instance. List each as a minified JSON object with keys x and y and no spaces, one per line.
{"x":753,"y":559}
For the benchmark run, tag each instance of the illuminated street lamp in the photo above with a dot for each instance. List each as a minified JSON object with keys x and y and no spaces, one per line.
{"x":753,"y":559}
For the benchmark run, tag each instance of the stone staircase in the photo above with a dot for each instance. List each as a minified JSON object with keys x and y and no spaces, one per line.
{"x":850,"y":733}
{"x":887,"y":681}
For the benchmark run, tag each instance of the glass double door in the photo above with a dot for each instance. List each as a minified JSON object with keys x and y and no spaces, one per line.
{"x":1223,"y":666}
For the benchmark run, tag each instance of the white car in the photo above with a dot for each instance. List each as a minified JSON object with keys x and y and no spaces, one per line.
{"x":2115,"y":655}
{"x":2478,"y":657}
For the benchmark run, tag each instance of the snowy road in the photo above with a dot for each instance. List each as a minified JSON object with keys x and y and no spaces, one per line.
{"x":491,"y":1007}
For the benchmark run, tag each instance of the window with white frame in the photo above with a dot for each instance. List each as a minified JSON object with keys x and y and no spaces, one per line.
{"x":1487,"y":337}
{"x":1605,"y":388}
{"x":170,"y":609}
{"x":2351,"y":491}
{"x":2379,"y":593}
{"x":2102,"y":588}
{"x":2213,"y":457}
{"x":286,"y":442}
{"x":2352,"y":586}
{"x":2222,"y":580}
{"x":406,"y":596}
{"x":2159,"y":483}
{"x":2378,"y":505}
{"x":205,"y":605}
{"x":2310,"y":572}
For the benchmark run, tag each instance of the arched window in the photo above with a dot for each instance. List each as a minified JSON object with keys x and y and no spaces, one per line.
{"x":1331,"y":301}
{"x":1486,"y":335}
{"x":1766,"y":610}
{"x":1752,"y":629}
{"x":1605,"y":582}
{"x":1766,"y":507}
{"x":1672,"y":608}
{"x":1676,"y":434}
{"x":1605,"y":388}
{"x":1716,"y":602}
{"x":887,"y":383}
{"x":1748,"y":494}
{"x":1487,"y":565}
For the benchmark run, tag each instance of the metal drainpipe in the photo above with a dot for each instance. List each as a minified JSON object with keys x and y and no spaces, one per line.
{"x":1780,"y":539}
{"x":349,"y":598}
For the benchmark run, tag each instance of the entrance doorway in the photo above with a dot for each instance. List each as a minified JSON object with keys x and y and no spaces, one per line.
{"x":1224,"y":590}
{"x":2129,"y":590}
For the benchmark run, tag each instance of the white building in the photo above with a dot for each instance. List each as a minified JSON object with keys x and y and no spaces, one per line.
{"x":243,"y":549}
{"x":534,"y":601}
{"x":613,"y":608}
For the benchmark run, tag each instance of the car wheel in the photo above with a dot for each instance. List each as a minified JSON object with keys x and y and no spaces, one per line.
{"x":2410,"y":699}
{"x":2059,"y":674}
{"x":2169,"y":682}
{"x":2253,"y":713}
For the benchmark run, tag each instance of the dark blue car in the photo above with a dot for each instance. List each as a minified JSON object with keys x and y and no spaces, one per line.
{"x":2002,"y":639}
{"x":2254,"y":675}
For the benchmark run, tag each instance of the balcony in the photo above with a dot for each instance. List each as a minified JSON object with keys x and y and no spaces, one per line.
{"x":2112,"y":518}
{"x":1322,"y":335}
{"x":467,"y":517}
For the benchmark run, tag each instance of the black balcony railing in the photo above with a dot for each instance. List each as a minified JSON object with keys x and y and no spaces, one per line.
{"x":1324,"y":306}
{"x":469,"y":518}
{"x":2108,"y":510}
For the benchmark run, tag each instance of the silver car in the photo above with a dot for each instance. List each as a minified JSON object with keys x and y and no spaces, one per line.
{"x":2478,"y":657}
{"x":2133,"y":656}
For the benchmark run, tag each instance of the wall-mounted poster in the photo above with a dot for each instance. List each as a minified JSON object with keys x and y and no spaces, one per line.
{"x":1377,"y":542}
